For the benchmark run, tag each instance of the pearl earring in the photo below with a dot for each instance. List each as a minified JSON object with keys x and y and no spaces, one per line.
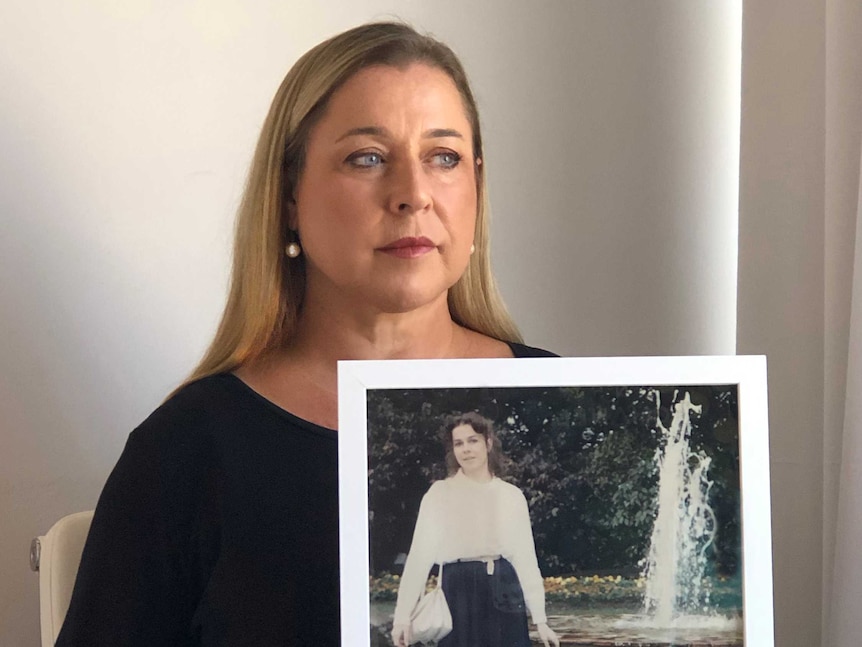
{"x":472,"y":248}
{"x":293,"y":250}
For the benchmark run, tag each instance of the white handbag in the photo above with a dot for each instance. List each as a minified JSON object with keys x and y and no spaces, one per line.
{"x":431,"y":620}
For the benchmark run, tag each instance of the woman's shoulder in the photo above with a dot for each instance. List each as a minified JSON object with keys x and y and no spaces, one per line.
{"x":444,"y":488}
{"x":223,"y":403}
{"x":178,"y":435}
{"x":508,"y":490}
{"x":203,"y":417}
{"x":436,"y":497}
{"x":439,"y":487}
{"x":480,"y":345}
{"x":191,"y":409}
{"x":522,"y":350}
{"x":218,"y":422}
{"x":457,"y":484}
{"x":217,"y":391}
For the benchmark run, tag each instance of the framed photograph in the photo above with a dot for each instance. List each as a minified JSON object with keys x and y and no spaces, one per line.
{"x":595,"y":501}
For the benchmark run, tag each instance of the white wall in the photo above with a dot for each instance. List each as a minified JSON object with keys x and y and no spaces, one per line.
{"x":126,"y":129}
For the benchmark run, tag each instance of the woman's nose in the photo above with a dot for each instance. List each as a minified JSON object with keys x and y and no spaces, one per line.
{"x":409,"y":191}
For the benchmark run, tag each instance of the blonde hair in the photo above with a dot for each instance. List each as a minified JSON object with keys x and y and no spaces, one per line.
{"x":267,"y":288}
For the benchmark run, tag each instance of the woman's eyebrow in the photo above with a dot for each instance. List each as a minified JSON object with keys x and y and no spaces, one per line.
{"x":378,"y":131}
{"x":364,"y":130}
{"x":442,"y":132}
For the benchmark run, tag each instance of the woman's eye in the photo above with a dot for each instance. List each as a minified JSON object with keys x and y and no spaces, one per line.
{"x":447,"y":159}
{"x":365,"y":160}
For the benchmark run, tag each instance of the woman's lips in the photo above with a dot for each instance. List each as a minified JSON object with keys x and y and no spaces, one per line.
{"x":409,"y":247}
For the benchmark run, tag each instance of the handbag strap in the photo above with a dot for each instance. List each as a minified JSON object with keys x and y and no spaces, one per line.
{"x":440,"y":576}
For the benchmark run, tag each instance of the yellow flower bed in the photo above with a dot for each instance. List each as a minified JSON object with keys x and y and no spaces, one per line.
{"x":589,"y":588}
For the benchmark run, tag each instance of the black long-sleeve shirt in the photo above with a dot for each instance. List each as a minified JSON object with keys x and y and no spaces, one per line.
{"x":218,"y":526}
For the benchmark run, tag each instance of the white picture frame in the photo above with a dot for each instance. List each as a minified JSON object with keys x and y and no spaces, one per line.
{"x":357,"y":380}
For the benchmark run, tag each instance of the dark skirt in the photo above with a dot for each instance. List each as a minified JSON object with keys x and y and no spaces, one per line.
{"x":487,"y":610}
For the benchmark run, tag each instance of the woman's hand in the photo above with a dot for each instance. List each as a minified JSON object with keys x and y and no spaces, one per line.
{"x":548,"y":636}
{"x":401,"y":635}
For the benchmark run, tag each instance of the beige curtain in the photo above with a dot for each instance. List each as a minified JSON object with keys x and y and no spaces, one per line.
{"x":800,"y":300}
{"x":842,"y":518}
{"x":843,"y":620}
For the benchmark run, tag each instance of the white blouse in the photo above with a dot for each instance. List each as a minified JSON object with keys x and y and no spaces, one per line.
{"x":460,"y":518}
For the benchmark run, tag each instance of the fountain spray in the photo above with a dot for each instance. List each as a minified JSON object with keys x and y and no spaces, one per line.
{"x":684,"y":526}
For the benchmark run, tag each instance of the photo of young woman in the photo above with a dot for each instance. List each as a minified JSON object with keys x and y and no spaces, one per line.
{"x":476,"y":526}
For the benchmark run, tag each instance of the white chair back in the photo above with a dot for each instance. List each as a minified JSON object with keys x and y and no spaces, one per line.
{"x":56,"y":555}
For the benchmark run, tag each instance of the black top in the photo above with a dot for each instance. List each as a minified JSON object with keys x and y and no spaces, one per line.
{"x":218,"y":526}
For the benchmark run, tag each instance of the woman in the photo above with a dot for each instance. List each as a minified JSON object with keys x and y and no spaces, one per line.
{"x":362,"y":234}
{"x":478,"y":528}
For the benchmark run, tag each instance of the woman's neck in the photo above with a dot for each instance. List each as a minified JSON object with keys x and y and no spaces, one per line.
{"x":302,"y":377}
{"x":328,"y":334}
{"x":483,"y":476}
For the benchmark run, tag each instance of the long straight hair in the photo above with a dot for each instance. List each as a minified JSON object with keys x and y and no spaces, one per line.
{"x":267,"y":288}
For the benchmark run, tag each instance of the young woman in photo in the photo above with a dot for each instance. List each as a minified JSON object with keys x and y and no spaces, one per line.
{"x":477,"y":528}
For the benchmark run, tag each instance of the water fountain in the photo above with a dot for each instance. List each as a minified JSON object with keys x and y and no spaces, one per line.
{"x":684,"y":525}
{"x":677,"y":609}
